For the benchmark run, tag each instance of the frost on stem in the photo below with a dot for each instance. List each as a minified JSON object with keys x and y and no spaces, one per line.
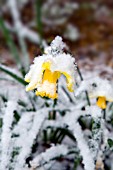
{"x":84,"y":149}
{"x":95,"y":142}
{"x":6,"y":135}
{"x":71,"y":121}
{"x":83,"y":146}
{"x":88,"y":150}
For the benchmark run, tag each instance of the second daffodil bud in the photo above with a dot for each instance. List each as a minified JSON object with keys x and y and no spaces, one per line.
{"x":47,"y":69}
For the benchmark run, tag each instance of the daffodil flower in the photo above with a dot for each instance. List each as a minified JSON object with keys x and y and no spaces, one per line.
{"x":47,"y":69}
{"x":97,"y":88}
{"x":103,"y":91}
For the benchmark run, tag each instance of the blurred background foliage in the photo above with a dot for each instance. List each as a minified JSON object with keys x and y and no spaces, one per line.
{"x":27,"y":26}
{"x":86,"y":26}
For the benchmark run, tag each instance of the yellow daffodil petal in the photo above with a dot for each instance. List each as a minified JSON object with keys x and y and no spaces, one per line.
{"x":30,"y":87}
{"x":101,"y":102}
{"x":52,"y":77}
{"x":46,"y":65}
{"x":27,"y":80}
{"x":48,"y":87}
{"x":45,"y":94}
{"x":69,"y":81}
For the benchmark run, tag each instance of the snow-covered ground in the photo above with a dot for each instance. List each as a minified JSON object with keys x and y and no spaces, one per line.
{"x":28,"y":123}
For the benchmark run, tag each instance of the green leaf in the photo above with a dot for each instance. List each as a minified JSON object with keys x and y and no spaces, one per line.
{"x":68,"y":95}
{"x":16,"y":116}
{"x":66,"y":132}
{"x":4,"y":98}
{"x":110,"y":143}
{"x":22,"y":103}
{"x":39,"y":19}
{"x":22,"y":64}
{"x":60,"y":133}
{"x":10,"y":73}
{"x":10,"y":42}
{"x":76,"y":162}
{"x":1,"y":122}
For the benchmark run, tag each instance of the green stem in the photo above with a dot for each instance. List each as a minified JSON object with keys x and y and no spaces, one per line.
{"x":39,"y":20}
{"x":104,"y":114}
{"x":79,"y":72}
{"x":61,"y":137}
{"x":54,"y":136}
{"x":52,"y":115}
{"x":26,"y":59}
{"x":45,"y":135}
{"x":76,"y":163}
{"x":87,"y":97}
{"x":10,"y":43}
{"x":96,"y":135}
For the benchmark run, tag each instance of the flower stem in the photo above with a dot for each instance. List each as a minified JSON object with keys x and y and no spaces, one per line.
{"x":39,"y":21}
{"x":87,"y":97}
{"x":45,"y":135}
{"x":104,"y":114}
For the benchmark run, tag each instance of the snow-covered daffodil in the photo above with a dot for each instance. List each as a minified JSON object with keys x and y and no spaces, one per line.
{"x":103,"y":91}
{"x":47,"y":69}
{"x":98,"y":88}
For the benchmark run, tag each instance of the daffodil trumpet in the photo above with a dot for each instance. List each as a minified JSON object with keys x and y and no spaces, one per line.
{"x":101,"y":102}
{"x":47,"y":69}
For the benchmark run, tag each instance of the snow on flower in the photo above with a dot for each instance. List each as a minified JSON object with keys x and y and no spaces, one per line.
{"x":97,"y":88}
{"x":47,"y":69}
